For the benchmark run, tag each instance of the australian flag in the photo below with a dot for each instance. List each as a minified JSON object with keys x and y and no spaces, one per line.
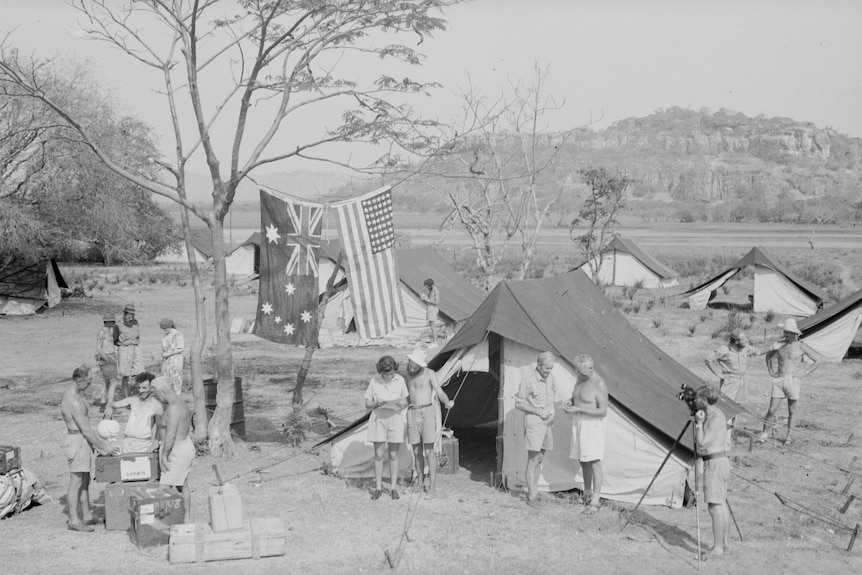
{"x":288,"y":296}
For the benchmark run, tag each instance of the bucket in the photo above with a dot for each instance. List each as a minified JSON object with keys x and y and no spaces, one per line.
{"x":237,"y":420}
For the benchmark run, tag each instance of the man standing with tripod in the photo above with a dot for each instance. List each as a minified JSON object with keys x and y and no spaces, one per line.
{"x":710,"y":429}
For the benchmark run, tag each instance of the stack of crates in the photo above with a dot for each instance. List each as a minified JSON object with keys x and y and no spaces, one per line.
{"x":10,"y":459}
{"x":125,"y":475}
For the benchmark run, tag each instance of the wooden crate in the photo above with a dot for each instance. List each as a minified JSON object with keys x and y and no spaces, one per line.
{"x":127,"y":467}
{"x":225,"y":508}
{"x":197,"y":542}
{"x":117,"y":499}
{"x":448,"y":461}
{"x":153,"y":510}
{"x":10,"y":459}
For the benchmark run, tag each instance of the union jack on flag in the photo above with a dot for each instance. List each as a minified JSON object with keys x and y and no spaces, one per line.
{"x":368,"y":237}
{"x":288,"y":296}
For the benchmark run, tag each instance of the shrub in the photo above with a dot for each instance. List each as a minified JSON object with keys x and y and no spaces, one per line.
{"x":733,"y":321}
{"x":725,"y":289}
{"x":691,"y":329}
{"x":657,"y":322}
{"x":705,"y":316}
{"x":649,"y":304}
{"x":751,"y":319}
{"x":636,"y":307}
{"x":769,"y":316}
{"x":618,"y":303}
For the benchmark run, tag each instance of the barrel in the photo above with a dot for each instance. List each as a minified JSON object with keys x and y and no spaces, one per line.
{"x":237,"y":420}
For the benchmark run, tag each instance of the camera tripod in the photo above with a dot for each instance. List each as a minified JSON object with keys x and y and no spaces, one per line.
{"x":696,"y":489}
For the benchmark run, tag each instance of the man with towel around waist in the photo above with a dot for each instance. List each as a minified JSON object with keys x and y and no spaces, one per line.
{"x":589,"y":407}
{"x":422,"y":417}
{"x":78,"y":449}
{"x":177,"y":452}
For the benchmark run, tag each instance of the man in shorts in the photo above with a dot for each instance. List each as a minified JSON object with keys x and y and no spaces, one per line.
{"x":78,"y":447}
{"x":783,"y":361}
{"x":177,"y":451}
{"x":536,"y":399}
{"x":589,"y":407}
{"x":710,"y":429}
{"x":127,"y":338}
{"x":106,"y":358}
{"x":387,"y":396}
{"x":422,"y":417}
{"x":431,"y":297}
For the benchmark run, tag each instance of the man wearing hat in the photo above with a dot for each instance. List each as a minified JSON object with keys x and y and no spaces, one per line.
{"x":127,"y":336}
{"x":106,"y":357}
{"x":422,"y":428}
{"x":783,"y":361}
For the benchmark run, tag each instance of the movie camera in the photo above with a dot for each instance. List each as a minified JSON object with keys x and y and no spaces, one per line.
{"x":689,"y":396}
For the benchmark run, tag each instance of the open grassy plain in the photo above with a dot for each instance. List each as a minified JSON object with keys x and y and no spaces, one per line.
{"x":471,"y":527}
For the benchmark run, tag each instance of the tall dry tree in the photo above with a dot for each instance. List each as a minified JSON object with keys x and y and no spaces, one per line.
{"x":499,"y":170}
{"x":248,"y":68}
{"x":592,"y":229}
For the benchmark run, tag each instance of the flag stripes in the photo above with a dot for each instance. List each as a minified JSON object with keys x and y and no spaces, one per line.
{"x":377,"y":304}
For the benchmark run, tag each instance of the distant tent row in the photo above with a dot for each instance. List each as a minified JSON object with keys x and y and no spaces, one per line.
{"x":26,"y":288}
{"x":569,"y":316}
{"x":775,"y":288}
{"x":624,"y":263}
{"x":203,"y":246}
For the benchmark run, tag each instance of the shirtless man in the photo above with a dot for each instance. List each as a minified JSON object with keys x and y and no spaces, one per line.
{"x":588,"y":407}
{"x":422,"y":417}
{"x":78,"y":449}
{"x":536,"y":398}
{"x":788,"y":353}
{"x":177,"y":451}
{"x":710,"y":430}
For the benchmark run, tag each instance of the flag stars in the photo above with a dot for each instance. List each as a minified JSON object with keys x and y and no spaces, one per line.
{"x":289,"y":329}
{"x":272,"y":235}
{"x":290,"y":288}
{"x":266,"y":308}
{"x":305,"y":316}
{"x":277,"y":319}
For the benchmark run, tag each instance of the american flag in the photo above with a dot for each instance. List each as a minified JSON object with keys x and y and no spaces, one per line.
{"x":288,"y":295}
{"x":368,"y":237}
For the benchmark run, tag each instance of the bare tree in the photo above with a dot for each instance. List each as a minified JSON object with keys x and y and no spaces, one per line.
{"x":275,"y":60}
{"x":605,"y":198}
{"x":499,"y":170}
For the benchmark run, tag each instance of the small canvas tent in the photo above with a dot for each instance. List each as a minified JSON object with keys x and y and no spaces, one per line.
{"x":624,"y":263}
{"x":244,"y":259}
{"x":775,"y":288}
{"x":25,"y":288}
{"x":458,"y":297}
{"x":832,"y":330}
{"x":485,"y":361}
{"x":202,"y":242}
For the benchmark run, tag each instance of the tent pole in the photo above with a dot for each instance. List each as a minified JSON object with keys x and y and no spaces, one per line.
{"x":660,"y":467}
{"x":501,"y":383}
{"x":696,"y":496}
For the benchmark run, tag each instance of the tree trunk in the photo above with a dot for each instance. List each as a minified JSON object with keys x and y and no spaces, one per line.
{"x":200,"y":334}
{"x":298,"y":404}
{"x":220,"y":441}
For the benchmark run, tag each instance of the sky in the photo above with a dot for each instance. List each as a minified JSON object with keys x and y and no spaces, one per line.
{"x":607,"y":59}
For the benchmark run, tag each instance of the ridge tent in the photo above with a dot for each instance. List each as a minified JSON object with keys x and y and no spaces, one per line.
{"x":26,"y":288}
{"x":624,"y":263}
{"x":832,"y":330}
{"x":202,"y":242}
{"x":458,"y":297}
{"x":244,"y":259}
{"x":775,"y":288}
{"x":482,"y":366}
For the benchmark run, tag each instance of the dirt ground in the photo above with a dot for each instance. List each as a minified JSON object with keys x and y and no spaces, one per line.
{"x":470,"y":527}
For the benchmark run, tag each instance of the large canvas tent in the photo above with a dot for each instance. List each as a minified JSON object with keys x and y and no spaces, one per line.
{"x":458,"y":297}
{"x":484,"y":362}
{"x":624,"y":263}
{"x":832,"y":330}
{"x":203,"y":245}
{"x":25,"y":288}
{"x":775,"y":288}
{"x":244,"y":259}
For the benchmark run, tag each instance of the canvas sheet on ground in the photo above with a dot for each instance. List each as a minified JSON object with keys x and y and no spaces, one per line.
{"x":632,"y":455}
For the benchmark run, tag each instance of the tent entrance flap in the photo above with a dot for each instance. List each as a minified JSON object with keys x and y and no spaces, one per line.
{"x":477,"y":391}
